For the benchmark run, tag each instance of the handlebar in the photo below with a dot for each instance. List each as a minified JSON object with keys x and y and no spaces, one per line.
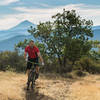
{"x":35,"y":63}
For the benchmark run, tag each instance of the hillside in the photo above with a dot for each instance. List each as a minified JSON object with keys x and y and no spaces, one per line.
{"x":9,"y":44}
{"x":10,"y":37}
{"x":96,"y":31}
{"x":96,"y":34}
{"x":49,"y":87}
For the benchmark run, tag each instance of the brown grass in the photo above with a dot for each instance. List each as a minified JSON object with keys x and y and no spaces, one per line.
{"x":88,"y":88}
{"x":11,"y":85}
{"x":49,"y":87}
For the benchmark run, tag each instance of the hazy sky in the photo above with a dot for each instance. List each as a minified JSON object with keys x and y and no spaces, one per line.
{"x":13,"y":12}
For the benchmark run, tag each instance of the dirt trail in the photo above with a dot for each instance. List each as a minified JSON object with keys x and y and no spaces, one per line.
{"x":13,"y":87}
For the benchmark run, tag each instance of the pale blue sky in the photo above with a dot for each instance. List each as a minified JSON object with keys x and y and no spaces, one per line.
{"x":13,"y":12}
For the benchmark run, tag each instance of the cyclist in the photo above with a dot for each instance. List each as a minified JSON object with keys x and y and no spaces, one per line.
{"x":33,"y":55}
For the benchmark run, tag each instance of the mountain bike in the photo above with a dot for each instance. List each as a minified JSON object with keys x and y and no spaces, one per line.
{"x":31,"y":76}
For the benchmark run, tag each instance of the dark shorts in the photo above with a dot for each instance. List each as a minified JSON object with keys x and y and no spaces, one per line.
{"x":29,"y":64}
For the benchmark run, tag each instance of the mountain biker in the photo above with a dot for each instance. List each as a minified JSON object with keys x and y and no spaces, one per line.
{"x":33,"y":55}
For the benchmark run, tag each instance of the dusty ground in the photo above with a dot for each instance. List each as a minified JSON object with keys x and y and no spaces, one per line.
{"x":13,"y":87}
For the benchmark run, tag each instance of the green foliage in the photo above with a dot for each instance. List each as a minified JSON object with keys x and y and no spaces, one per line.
{"x":95,"y":52}
{"x":80,"y":73}
{"x":95,"y":43}
{"x":21,"y":44}
{"x":12,"y":61}
{"x":78,"y":48}
{"x":88,"y":65}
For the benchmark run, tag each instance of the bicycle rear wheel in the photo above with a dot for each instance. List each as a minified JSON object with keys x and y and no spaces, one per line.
{"x":33,"y":81}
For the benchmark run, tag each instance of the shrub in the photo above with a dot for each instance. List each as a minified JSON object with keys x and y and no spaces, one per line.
{"x":12,"y":61}
{"x":89,"y":65}
{"x":80,"y":73}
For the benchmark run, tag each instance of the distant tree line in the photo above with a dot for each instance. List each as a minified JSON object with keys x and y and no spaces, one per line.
{"x":12,"y":61}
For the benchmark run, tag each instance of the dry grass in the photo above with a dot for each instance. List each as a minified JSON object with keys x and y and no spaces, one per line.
{"x":88,"y":88}
{"x":13,"y":85}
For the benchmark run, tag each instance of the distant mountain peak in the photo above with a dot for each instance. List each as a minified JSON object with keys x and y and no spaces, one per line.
{"x":26,"y":22}
{"x":23,"y":25}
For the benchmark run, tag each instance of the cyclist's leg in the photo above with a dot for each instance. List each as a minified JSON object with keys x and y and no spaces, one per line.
{"x":37,"y":68}
{"x":37,"y":72}
{"x":29,"y":65}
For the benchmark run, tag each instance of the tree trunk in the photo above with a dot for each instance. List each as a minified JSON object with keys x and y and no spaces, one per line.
{"x":60,"y":64}
{"x":60,"y":61}
{"x":64,"y":62}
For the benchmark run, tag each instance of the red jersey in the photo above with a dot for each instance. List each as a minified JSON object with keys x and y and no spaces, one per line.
{"x":32,"y":52}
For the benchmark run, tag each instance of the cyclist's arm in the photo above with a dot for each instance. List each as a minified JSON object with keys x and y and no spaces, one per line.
{"x":25,"y":53}
{"x":39,"y":55}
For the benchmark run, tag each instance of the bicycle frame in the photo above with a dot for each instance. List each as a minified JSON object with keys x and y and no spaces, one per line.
{"x":32,"y":75}
{"x":31,"y":78}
